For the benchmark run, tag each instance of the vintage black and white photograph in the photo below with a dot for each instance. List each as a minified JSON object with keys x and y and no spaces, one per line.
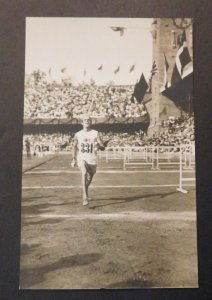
{"x":108,"y":167}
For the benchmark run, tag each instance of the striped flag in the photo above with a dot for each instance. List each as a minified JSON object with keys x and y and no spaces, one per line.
{"x":154,"y":69}
{"x":132,"y":68}
{"x":117,"y":70}
{"x":166,"y":84}
{"x":182,"y":59}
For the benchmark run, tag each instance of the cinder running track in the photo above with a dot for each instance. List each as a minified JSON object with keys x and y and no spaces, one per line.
{"x":137,"y":231}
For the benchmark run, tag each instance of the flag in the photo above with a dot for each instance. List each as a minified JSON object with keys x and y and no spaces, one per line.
{"x":166,"y":67}
{"x":100,"y":67}
{"x":140,"y":89}
{"x":153,"y":71}
{"x":154,"y":68}
{"x":120,"y":29}
{"x":117,"y":70}
{"x":63,"y":70}
{"x":182,"y":59}
{"x":132,"y":68}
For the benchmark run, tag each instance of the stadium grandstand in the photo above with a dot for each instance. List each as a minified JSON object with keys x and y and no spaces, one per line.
{"x":157,"y":113}
{"x":52,"y":114}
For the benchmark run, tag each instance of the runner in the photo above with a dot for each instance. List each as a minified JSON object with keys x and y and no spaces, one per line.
{"x":86,"y":143}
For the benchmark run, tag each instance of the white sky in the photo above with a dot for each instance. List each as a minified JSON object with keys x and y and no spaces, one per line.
{"x":86,"y":43}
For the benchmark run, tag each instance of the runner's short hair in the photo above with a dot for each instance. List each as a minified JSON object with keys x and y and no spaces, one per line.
{"x":86,"y":116}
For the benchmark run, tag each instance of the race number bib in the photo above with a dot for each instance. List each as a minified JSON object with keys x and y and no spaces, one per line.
{"x":86,"y":148}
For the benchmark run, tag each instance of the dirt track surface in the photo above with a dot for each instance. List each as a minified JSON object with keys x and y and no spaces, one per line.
{"x":125,"y":238}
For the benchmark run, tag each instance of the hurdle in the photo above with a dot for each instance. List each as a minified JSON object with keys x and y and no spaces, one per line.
{"x":181,"y":178}
{"x":188,"y":153}
{"x":167,"y":152}
{"x":140,"y":153}
{"x":114,"y":153}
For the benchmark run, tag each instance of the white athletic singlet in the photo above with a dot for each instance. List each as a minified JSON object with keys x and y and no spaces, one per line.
{"x":87,"y":150}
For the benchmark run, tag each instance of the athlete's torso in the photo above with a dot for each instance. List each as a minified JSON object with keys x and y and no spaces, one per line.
{"x":87,"y":141}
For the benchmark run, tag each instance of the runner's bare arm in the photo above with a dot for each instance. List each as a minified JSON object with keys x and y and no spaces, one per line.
{"x":74,"y":151}
{"x":100,"y":143}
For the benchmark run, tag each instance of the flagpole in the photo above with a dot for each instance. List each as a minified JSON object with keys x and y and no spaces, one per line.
{"x":158,"y":81}
{"x":91,"y":106}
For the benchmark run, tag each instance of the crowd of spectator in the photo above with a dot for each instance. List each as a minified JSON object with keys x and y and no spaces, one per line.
{"x":177,"y":131}
{"x":51,"y":100}
{"x":59,"y":100}
{"x":45,"y":142}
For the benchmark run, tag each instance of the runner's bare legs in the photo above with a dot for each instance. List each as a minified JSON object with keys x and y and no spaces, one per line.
{"x":86,"y":180}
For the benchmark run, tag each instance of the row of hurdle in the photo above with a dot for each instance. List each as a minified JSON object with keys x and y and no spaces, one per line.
{"x":156,"y":157}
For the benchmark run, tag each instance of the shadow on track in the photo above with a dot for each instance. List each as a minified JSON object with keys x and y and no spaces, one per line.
{"x":32,"y":276}
{"x":130,"y":199}
{"x":43,"y":222}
